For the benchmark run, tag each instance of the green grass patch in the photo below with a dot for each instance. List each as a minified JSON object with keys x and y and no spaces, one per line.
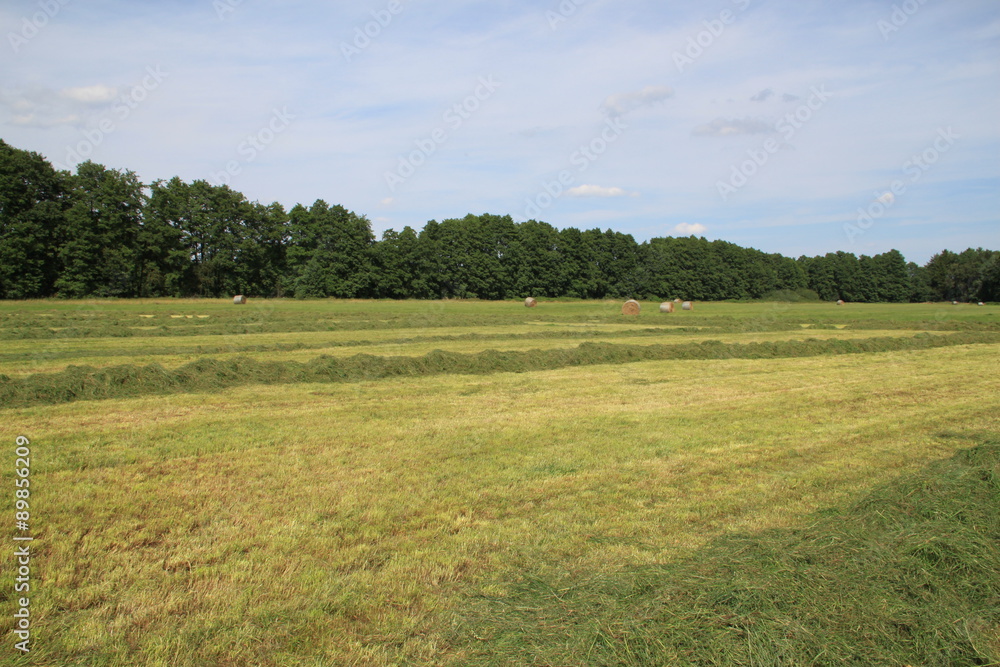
{"x":468,"y":482}
{"x":158,"y":318}
{"x":27,"y":357}
{"x":907,"y":575}
{"x":352,"y":523}
{"x":86,"y":383}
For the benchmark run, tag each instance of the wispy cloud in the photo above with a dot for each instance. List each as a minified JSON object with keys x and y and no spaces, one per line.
{"x":622,"y":103}
{"x":688,"y":229}
{"x":42,"y":107}
{"x":97,"y":94}
{"x":599,"y":191}
{"x":725,"y":127}
{"x":41,"y":122}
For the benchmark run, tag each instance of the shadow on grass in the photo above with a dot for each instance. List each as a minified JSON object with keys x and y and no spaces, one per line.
{"x":908,"y":575}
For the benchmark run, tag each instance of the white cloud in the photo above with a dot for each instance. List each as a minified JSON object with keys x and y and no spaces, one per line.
{"x":18,"y":104}
{"x":599,"y":191}
{"x":98,"y":94}
{"x":31,"y":120}
{"x":725,"y":127}
{"x":617,"y":105}
{"x":42,"y":108}
{"x":687,"y":229}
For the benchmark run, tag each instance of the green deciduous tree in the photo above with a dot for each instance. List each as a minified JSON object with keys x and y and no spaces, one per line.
{"x":330,"y":252}
{"x":98,"y":233}
{"x":100,"y":252}
{"x":33,"y":202}
{"x":401,"y":266}
{"x":537,"y":257}
{"x":892,"y":276}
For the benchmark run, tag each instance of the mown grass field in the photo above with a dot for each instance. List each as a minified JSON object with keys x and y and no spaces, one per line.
{"x":471,"y":483}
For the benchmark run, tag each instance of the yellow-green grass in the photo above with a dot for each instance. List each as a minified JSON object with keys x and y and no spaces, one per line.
{"x":190,"y":316}
{"x":339,"y":308}
{"x":115,"y":345}
{"x":346,"y":524}
{"x":22,"y":358}
{"x":907,"y":573}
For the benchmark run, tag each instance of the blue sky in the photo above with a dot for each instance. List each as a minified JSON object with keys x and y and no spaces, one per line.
{"x":799,"y":127}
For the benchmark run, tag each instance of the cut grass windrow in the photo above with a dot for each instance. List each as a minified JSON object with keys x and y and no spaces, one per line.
{"x":102,"y":353}
{"x":87,"y":383}
{"x":908,"y":575}
{"x":73,"y":330}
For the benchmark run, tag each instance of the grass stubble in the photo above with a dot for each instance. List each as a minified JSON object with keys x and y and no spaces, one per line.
{"x":705,"y":511}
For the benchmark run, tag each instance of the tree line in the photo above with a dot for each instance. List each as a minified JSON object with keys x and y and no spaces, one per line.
{"x":100,"y":232}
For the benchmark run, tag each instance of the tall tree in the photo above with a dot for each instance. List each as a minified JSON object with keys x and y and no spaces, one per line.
{"x":164,"y":261}
{"x":919,"y":284}
{"x":950,"y":276}
{"x":330,"y":252}
{"x":618,"y":263}
{"x":100,"y":251}
{"x":893,"y":277}
{"x":210,"y":222}
{"x":579,"y":271}
{"x":33,"y":203}
{"x":400,"y":266}
{"x":990,"y":277}
{"x":790,"y":274}
{"x":822,"y":280}
{"x":537,"y":256}
{"x":259,"y":261}
{"x":495,"y":246}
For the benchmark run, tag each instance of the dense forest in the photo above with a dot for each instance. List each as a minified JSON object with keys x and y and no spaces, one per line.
{"x":101,"y":232}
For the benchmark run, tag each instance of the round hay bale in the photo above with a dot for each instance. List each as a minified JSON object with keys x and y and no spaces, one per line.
{"x":840,"y":302}
{"x":667,"y":307}
{"x":687,"y":305}
{"x":631,"y":307}
{"x":981,"y":303}
{"x":954,"y":303}
{"x":239,"y":299}
{"x":530,"y":303}
{"x":677,"y":300}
